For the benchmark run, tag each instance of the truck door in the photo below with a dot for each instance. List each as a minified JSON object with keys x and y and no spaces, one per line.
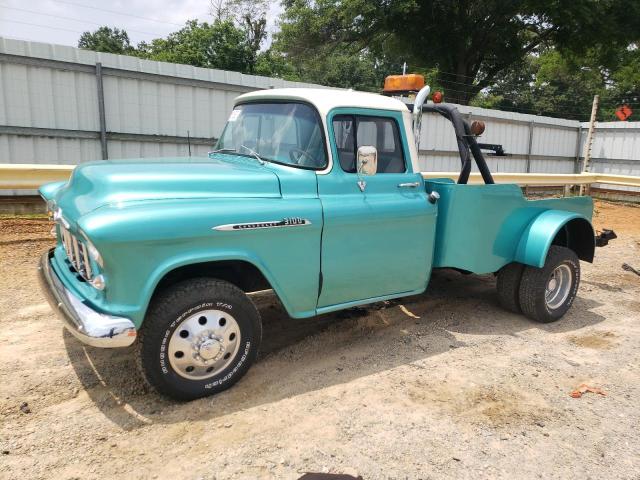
{"x":379,"y":230}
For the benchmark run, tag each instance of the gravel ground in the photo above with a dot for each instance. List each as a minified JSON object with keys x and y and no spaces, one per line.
{"x":441,"y":385}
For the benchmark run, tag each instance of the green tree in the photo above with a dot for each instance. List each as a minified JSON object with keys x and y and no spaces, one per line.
{"x":471,"y":43}
{"x":248,"y":15}
{"x":272,"y":63}
{"x":344,"y":69}
{"x":106,"y":39}
{"x":316,"y":58}
{"x":624,"y":84}
{"x":211,"y":45}
{"x":548,"y":84}
{"x":562,"y":84}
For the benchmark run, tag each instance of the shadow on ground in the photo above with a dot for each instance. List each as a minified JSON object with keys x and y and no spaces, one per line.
{"x":299,"y":356}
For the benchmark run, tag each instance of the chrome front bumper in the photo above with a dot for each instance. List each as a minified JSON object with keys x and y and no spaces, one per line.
{"x":91,"y":327}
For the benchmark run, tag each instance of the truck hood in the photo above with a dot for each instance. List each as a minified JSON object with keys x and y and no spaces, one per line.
{"x":119,"y":182}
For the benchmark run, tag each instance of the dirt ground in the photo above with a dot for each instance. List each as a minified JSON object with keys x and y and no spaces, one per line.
{"x":441,"y":385}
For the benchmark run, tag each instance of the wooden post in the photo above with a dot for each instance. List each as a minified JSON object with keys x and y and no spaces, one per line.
{"x":584,"y":189}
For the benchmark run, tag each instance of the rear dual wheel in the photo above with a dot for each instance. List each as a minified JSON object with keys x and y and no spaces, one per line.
{"x":542,"y":294}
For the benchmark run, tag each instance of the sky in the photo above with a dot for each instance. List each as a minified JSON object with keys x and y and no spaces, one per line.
{"x":63,"y":21}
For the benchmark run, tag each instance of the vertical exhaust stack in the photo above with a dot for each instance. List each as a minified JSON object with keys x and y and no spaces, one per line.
{"x":422,"y":96}
{"x":406,"y":86}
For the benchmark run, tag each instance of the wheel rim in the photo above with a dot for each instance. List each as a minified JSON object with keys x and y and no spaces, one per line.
{"x":558,"y":286}
{"x":204,"y":344}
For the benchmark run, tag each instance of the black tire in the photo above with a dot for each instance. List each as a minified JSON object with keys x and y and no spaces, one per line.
{"x":534,"y":282}
{"x":508,"y":286}
{"x":178,"y":304}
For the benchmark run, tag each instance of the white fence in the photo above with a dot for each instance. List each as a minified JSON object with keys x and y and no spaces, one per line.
{"x":63,"y":105}
{"x":532,"y":143}
{"x":536,"y":144}
{"x":616,"y":150}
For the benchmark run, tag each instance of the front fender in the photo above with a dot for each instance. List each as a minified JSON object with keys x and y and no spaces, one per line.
{"x":194,"y":258}
{"x":541,"y":232}
{"x":49,"y":190}
{"x":141,"y":242}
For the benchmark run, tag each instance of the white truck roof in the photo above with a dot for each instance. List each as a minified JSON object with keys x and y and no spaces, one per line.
{"x":325,"y":99}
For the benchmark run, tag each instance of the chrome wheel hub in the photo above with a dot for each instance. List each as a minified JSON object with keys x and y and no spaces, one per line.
{"x":558,"y":286}
{"x":204,"y":344}
{"x":211,"y":349}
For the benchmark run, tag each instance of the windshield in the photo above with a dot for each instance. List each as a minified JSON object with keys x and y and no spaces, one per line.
{"x":286,"y":133}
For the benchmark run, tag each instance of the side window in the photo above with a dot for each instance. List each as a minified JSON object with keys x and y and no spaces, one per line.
{"x":344,"y":130}
{"x":367,"y":132}
{"x":352,"y":132}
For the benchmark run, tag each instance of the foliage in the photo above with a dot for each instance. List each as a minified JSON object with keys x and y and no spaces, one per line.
{"x":535,"y":56}
{"x":470,"y":43}
{"x":563,"y":84}
{"x":249,"y":15}
{"x":106,"y":39}
{"x":272,"y":63}
{"x":212,"y":45}
{"x":624,"y":82}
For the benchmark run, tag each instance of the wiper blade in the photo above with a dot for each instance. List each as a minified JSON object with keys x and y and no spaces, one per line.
{"x":254,"y":153}
{"x":223,"y":150}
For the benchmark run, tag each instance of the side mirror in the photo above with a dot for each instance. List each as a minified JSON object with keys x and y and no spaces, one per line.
{"x":367,"y":160}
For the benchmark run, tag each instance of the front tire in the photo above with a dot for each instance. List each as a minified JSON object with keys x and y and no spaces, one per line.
{"x":199,"y":338}
{"x":547,"y":293}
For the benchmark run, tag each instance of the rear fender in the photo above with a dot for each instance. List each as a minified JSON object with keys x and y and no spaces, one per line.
{"x":559,"y":227}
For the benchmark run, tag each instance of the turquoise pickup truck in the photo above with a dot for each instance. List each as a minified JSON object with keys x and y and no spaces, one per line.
{"x":315,"y":194}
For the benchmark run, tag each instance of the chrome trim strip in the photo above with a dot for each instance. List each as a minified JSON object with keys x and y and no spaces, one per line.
{"x":87,"y":263}
{"x":76,"y":254}
{"x":89,"y":326}
{"x":285,"y":222}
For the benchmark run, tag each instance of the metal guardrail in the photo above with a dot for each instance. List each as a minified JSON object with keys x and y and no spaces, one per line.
{"x":31,"y":176}
{"x":28,"y":176}
{"x":545,"y":179}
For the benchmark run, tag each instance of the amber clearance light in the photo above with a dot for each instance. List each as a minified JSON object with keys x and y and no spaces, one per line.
{"x":411,"y":82}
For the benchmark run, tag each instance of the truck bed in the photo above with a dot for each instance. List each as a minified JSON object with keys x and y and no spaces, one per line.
{"x":479,"y":226}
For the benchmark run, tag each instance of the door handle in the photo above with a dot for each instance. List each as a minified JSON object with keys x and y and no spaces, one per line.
{"x":409,"y":185}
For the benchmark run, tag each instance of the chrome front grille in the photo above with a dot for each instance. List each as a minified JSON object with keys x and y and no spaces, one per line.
{"x":76,"y":253}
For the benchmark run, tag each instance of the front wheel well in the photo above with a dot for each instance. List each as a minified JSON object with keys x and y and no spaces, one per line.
{"x":242,"y":274}
{"x":578,"y":235}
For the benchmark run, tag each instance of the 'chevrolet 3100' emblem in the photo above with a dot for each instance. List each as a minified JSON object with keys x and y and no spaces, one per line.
{"x":285,"y":222}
